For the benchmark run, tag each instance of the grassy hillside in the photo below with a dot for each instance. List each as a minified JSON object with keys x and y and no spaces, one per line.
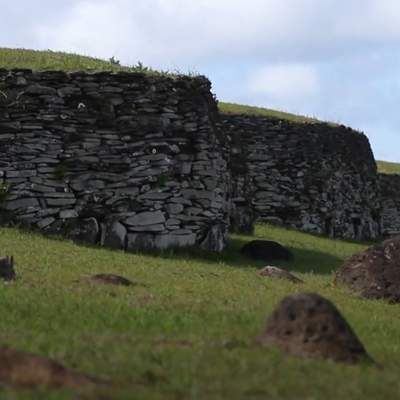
{"x":388,"y":167}
{"x":187,"y":331}
{"x":51,"y":60}
{"x":264,"y":112}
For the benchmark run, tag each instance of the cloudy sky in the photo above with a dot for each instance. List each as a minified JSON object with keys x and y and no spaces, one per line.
{"x":337,"y":60}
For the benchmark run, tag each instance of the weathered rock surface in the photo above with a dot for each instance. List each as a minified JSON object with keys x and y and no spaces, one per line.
{"x":114,"y":235}
{"x":266,"y":250}
{"x":7,"y":271}
{"x":22,"y":369}
{"x":315,"y":177}
{"x":215,"y":237}
{"x":310,"y":326}
{"x":375,"y":272}
{"x":275,"y":272}
{"x":83,"y":230}
{"x":390,"y":196}
{"x":116,"y":159}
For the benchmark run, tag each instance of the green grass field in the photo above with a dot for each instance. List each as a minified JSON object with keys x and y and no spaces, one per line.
{"x":388,"y":167}
{"x":232,"y":108}
{"x":187,"y":332}
{"x":53,"y":60}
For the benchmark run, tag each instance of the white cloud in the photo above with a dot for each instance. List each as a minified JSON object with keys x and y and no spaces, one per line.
{"x":174,"y":31}
{"x":372,"y":21}
{"x":286,"y":82}
{"x":179,"y":32}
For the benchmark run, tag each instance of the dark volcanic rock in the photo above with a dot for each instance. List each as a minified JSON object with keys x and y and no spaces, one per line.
{"x":114,"y":235}
{"x":85,"y":230}
{"x":374,"y":273}
{"x":309,"y":326}
{"x":215,"y":237}
{"x":109,"y":279}
{"x":29,"y":370}
{"x":7,"y":271}
{"x":266,"y":250}
{"x":275,"y":272}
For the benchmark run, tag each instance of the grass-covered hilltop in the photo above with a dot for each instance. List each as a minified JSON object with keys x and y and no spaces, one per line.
{"x":187,"y":326}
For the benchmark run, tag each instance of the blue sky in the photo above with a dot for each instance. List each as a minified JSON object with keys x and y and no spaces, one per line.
{"x":337,"y":60}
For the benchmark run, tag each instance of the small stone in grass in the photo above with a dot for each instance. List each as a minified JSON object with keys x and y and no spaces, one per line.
{"x":275,"y":272}
{"x":109,"y":279}
{"x":7,"y":271}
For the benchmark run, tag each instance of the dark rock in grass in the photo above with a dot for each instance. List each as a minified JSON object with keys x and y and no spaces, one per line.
{"x":109,"y":279}
{"x":275,"y":272}
{"x":309,"y":326}
{"x":7,"y":271}
{"x":29,"y":370}
{"x":375,"y":272}
{"x":266,"y":250}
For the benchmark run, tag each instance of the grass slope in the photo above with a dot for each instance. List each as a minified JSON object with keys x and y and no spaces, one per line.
{"x":232,"y":108}
{"x":52,"y":60}
{"x":188,"y":332}
{"x":388,"y":167}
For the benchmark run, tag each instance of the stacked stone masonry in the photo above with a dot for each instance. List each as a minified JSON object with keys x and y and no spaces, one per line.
{"x":135,"y":161}
{"x":314,"y":177}
{"x":125,"y":160}
{"x":390,"y":193}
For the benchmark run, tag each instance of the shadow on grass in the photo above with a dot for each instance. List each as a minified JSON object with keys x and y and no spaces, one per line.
{"x":304,"y":261}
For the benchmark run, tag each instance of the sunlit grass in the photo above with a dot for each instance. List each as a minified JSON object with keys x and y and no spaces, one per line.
{"x":54,"y":60}
{"x":187,"y":330}
{"x":232,"y":108}
{"x":388,"y":167}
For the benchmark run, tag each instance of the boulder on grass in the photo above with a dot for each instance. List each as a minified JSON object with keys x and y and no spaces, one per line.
{"x":266,"y":250}
{"x":279,"y":273}
{"x":7,"y":271}
{"x":375,"y":272}
{"x":309,"y":326}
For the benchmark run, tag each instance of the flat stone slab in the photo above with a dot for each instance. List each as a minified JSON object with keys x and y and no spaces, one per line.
{"x":146,"y":218}
{"x":278,"y":273}
{"x":310,"y":326}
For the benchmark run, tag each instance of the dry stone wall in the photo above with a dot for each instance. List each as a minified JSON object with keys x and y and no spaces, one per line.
{"x":390,"y":193}
{"x":134,"y":161}
{"x":126,"y":160}
{"x":314,"y":177}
